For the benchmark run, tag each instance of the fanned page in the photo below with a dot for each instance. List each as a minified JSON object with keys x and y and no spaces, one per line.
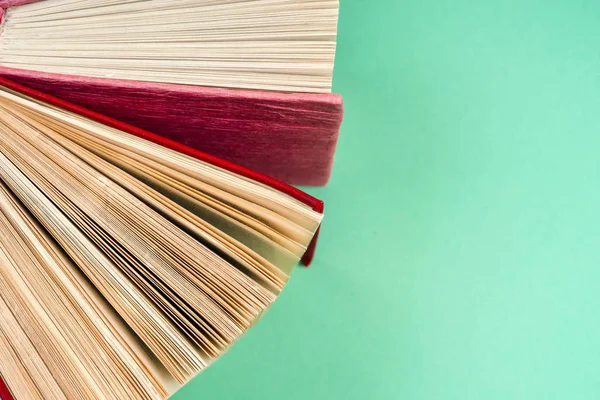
{"x":275,"y":45}
{"x":127,"y":267}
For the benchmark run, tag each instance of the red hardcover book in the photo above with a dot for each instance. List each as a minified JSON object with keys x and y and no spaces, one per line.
{"x":316,"y":204}
{"x":313,"y":202}
{"x":290,"y":136}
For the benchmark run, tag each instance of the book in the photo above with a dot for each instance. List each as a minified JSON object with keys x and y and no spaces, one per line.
{"x":251,"y":79}
{"x":129,"y":262}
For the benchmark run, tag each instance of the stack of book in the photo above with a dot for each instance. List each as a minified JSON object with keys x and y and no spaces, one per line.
{"x":140,"y":231}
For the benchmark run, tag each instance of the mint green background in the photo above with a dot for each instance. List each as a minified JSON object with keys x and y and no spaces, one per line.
{"x":460,"y":257}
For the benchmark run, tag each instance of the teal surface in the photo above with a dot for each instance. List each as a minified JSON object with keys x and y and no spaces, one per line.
{"x":460,"y":256}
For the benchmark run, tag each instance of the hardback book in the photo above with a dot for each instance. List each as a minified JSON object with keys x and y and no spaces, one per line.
{"x":129,"y":262}
{"x":248,"y":81}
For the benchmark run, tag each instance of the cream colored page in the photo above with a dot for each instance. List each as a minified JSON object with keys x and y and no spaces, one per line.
{"x":260,"y":44}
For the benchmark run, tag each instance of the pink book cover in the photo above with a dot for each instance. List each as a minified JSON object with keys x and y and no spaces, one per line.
{"x":289,"y":136}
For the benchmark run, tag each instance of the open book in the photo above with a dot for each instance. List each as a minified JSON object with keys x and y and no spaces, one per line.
{"x":127,"y":266}
{"x":245,"y":80}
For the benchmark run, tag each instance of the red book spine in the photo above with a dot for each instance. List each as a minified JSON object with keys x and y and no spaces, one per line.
{"x":4,"y":391}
